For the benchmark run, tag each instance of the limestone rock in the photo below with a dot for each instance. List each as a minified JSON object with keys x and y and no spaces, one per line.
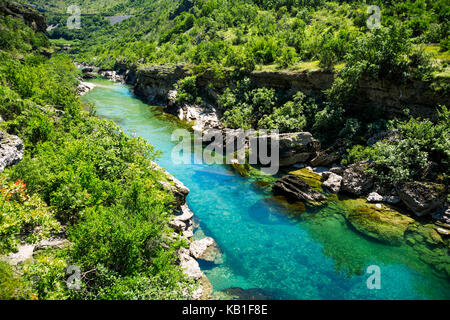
{"x":84,"y":87}
{"x":206,"y":249}
{"x":11,"y":150}
{"x":422,"y":197}
{"x":295,"y":188}
{"x":189,"y":265}
{"x":374,"y":197}
{"x":355,"y":179}
{"x":178,"y":189}
{"x":23,"y":253}
{"x":332,"y":182}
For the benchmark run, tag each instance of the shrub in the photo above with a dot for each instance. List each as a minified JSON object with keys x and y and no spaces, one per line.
{"x":187,"y":90}
{"x":22,"y":216}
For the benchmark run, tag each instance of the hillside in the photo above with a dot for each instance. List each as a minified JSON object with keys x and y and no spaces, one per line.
{"x":76,"y":189}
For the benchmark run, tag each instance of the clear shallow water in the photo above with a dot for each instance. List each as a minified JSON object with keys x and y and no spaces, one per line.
{"x":265,"y":244}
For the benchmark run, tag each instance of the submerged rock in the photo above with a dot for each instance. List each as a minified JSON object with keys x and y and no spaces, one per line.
{"x":355,"y":179}
{"x":431,"y":245}
{"x":236,"y":293}
{"x":294,"y":188}
{"x":422,"y":197}
{"x":379,"y":222}
{"x":11,"y":150}
{"x":206,"y":249}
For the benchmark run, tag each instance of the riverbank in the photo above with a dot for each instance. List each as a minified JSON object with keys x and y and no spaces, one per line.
{"x":269,"y":246}
{"x":352,"y":181}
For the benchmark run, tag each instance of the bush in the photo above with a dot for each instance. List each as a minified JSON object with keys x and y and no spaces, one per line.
{"x":22,"y":216}
{"x":187,"y":90}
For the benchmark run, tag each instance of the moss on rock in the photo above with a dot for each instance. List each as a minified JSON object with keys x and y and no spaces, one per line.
{"x":377,"y":221}
{"x":313,"y":179}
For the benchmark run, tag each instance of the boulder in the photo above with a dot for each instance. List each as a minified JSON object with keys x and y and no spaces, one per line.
{"x":294,"y":188}
{"x":189,"y":265}
{"x":312,"y":178}
{"x":11,"y":150}
{"x":332,"y":182}
{"x":294,"y":147}
{"x":422,"y":197}
{"x":355,"y":179}
{"x":84,"y":87}
{"x":206,"y":249}
{"x":376,"y":197}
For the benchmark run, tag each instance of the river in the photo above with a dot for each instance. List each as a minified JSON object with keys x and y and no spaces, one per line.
{"x":266,"y":245}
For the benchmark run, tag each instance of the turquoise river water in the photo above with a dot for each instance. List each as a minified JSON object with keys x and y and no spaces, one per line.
{"x":267,"y":245}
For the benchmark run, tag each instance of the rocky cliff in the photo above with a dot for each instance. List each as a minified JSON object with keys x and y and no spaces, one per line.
{"x":154,"y":83}
{"x":31,"y":16}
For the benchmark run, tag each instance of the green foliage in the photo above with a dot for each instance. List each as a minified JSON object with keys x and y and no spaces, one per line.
{"x":187,"y":90}
{"x":46,"y":275}
{"x":88,"y":175}
{"x":422,"y":152}
{"x":23,"y":217}
{"x":12,"y":286}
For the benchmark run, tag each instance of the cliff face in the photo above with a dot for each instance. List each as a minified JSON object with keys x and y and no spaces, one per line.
{"x":31,"y":16}
{"x":155,"y":82}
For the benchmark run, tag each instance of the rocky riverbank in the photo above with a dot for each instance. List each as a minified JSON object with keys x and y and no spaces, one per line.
{"x":404,"y":214}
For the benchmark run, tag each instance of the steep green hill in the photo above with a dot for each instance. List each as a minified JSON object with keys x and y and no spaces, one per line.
{"x":82,"y":180}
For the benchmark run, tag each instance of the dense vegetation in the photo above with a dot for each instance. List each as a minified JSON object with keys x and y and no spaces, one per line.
{"x":81,"y":178}
{"x":89,"y":177}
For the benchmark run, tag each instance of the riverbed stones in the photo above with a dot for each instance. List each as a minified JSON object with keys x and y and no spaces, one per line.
{"x":355,"y":179}
{"x":422,"y":197}
{"x":294,"y":188}
{"x":11,"y":150}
